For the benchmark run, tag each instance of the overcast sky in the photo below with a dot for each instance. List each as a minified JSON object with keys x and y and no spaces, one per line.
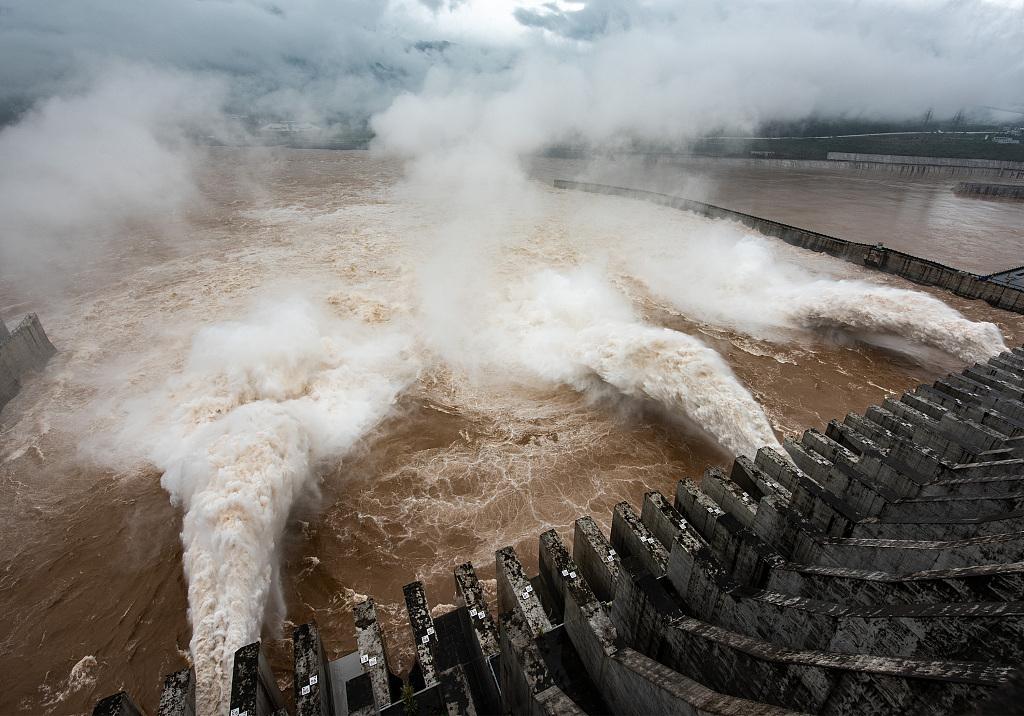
{"x":744,"y":60}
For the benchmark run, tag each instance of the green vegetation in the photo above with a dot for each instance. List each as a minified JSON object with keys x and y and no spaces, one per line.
{"x":409,"y":701}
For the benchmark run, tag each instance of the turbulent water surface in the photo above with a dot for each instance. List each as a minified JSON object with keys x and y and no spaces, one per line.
{"x":318,"y":385}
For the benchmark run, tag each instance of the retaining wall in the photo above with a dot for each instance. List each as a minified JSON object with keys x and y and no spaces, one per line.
{"x":923,"y":166}
{"x":864,"y":165}
{"x":925,"y":161}
{"x":1002,"y":191}
{"x":24,"y":349}
{"x":913,"y":268}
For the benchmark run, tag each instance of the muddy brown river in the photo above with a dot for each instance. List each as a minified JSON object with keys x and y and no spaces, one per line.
{"x":494,"y":434}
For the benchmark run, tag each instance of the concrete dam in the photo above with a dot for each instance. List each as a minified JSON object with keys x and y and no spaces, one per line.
{"x":876,"y":568}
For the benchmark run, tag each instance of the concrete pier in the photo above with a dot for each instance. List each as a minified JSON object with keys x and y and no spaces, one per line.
{"x":178,"y":697}
{"x":877,"y":567}
{"x":253,"y":688}
{"x":313,"y":693}
{"x":22,"y":350}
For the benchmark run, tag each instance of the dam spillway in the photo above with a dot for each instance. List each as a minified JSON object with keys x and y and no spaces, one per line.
{"x":877,"y":567}
{"x":116,"y":349}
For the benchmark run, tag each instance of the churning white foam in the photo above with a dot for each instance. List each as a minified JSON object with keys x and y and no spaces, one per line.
{"x":575,"y":329}
{"x":724,"y":276}
{"x":258,"y":404}
{"x":82,"y":676}
{"x":910,"y":315}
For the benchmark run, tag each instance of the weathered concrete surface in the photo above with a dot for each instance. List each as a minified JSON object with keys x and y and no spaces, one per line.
{"x":990,"y":583}
{"x":119,"y":704}
{"x":823,"y":682}
{"x":599,"y":562}
{"x":178,"y":697}
{"x":524,"y":675}
{"x":631,"y":538}
{"x":471,"y":594}
{"x":926,"y":161}
{"x":1011,"y":277}
{"x":253,"y":688}
{"x":372,"y":653}
{"x":455,"y":693}
{"x":312,"y":674}
{"x":424,"y":634}
{"x":22,"y":350}
{"x":515,"y":593}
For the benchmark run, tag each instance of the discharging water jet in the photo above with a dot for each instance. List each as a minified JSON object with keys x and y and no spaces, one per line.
{"x":259,"y":404}
{"x":568,"y":327}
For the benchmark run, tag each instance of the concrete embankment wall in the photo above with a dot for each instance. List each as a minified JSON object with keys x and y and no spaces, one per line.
{"x":1001,"y":191}
{"x":24,"y":349}
{"x":866,"y":165}
{"x":948,"y":166}
{"x":913,"y":268}
{"x":927,"y":161}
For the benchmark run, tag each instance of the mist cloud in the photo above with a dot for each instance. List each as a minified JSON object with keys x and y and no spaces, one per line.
{"x":657,"y":68}
{"x":84,"y":162}
{"x":302,"y":59}
{"x":612,"y":73}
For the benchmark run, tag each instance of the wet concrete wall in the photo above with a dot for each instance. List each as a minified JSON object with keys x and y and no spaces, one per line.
{"x":913,"y":268}
{"x":1001,"y":191}
{"x":22,"y":350}
{"x":863,"y":164}
{"x":997,"y":164}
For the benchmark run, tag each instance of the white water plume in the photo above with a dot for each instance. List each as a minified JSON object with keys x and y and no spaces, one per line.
{"x":858,"y":306}
{"x":726,"y":277}
{"x":81,"y":165}
{"x":572,"y":327}
{"x":258,"y":405}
